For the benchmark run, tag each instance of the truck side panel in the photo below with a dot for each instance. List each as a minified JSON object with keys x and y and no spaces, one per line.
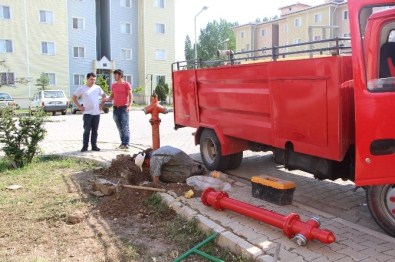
{"x":298,"y":101}
{"x":238,"y":101}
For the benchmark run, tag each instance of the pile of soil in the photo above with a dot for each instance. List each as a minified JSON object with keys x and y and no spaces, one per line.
{"x":124,"y":166}
{"x":130,"y":202}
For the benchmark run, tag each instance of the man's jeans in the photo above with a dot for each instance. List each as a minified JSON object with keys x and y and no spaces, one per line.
{"x":91,"y":123}
{"x":121,"y":118}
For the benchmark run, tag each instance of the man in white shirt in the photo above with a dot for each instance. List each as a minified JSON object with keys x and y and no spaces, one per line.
{"x":90,"y":109}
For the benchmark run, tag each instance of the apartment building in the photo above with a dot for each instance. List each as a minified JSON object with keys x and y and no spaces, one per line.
{"x":33,"y":40}
{"x":157,"y":34}
{"x":82,"y":42}
{"x":66,"y":39}
{"x":297,"y":24}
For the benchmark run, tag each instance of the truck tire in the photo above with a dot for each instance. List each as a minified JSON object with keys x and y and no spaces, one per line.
{"x":381,"y":207}
{"x":64,"y":112}
{"x":235,"y":160}
{"x":210,"y":151}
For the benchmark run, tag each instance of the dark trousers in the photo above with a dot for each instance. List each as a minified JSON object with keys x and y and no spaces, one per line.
{"x":121,"y":118}
{"x":91,"y":124}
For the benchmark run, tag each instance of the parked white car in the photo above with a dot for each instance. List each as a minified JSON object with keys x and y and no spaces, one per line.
{"x":6,"y":101}
{"x":50,"y":100}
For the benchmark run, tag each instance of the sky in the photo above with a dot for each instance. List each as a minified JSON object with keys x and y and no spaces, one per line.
{"x":231,"y":10}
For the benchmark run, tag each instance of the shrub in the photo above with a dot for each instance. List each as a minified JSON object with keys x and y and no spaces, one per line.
{"x":162,"y":90}
{"x":20,"y":136}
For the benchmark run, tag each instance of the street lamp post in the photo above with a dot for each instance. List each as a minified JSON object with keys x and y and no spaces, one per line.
{"x":203,"y":9}
{"x":225,"y":42}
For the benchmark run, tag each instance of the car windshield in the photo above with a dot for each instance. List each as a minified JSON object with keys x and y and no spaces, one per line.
{"x":5,"y":96}
{"x":53,"y":94}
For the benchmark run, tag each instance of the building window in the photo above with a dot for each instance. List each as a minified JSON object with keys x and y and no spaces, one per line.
{"x":6,"y":46}
{"x":160,"y":3}
{"x":159,"y":77}
{"x":345,"y":15}
{"x":5,"y":12}
{"x":48,"y":48}
{"x":126,"y":54}
{"x":286,"y":28}
{"x":78,"y":23}
{"x":318,"y":18}
{"x":298,"y":22}
{"x":160,"y":28}
{"x":317,"y":38}
{"x":78,"y":52}
{"x":242,"y":34}
{"x":52,"y":78}
{"x":160,"y":54}
{"x":46,"y":17}
{"x":126,"y":3}
{"x":79,"y":80}
{"x":126,"y":28}
{"x":128,"y":78}
{"x":7,"y":78}
{"x":297,"y":41}
{"x":263,"y":32}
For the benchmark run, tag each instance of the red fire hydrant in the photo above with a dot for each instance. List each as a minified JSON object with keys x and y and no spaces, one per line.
{"x":155,"y":109}
{"x":291,"y":225}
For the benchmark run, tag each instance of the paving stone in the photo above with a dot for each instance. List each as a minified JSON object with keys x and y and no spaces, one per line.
{"x":352,"y":244}
{"x":264,"y":258}
{"x":376,"y":255}
{"x":207,"y":225}
{"x":238,"y":245}
{"x":355,"y":255}
{"x":307,"y":254}
{"x":286,"y":255}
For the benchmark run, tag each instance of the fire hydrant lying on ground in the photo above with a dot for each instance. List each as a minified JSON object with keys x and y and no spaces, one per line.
{"x":155,"y":109}
{"x":291,"y":225}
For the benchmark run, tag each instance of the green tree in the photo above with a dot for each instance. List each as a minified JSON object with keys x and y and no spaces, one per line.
{"x":188,"y":49}
{"x":43,"y":81}
{"x":102,"y":82}
{"x":212,"y":38}
{"x":162,"y":89}
{"x":138,"y":90}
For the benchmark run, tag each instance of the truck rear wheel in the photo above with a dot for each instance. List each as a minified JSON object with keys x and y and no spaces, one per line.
{"x":381,"y":203}
{"x":235,"y":160}
{"x":210,"y":151}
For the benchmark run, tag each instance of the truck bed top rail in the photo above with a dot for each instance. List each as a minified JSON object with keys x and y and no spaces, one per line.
{"x":326,"y":47}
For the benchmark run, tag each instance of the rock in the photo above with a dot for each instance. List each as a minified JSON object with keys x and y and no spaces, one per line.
{"x":96,"y":193}
{"x":104,"y":186}
{"x":76,"y":217}
{"x":14,"y":187}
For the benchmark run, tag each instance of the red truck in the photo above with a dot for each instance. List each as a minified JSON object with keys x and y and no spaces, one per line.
{"x":330,"y":116}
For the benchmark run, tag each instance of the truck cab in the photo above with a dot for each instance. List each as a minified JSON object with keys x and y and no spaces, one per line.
{"x":373,"y":41}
